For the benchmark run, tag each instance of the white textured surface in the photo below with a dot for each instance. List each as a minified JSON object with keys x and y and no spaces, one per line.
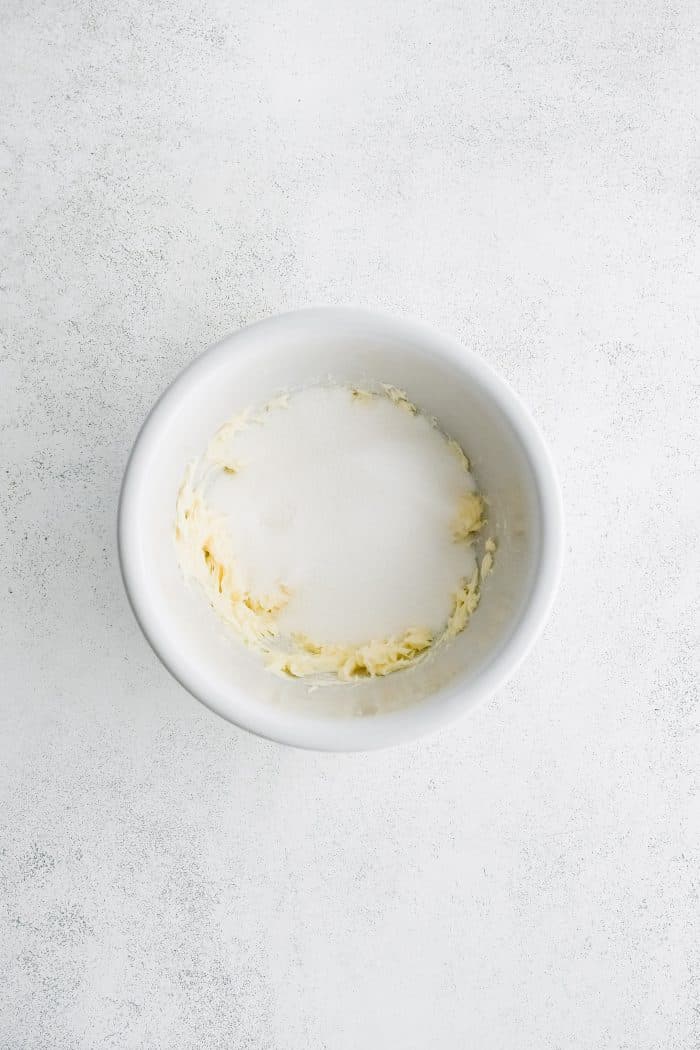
{"x":329,"y":474}
{"x":522,"y":176}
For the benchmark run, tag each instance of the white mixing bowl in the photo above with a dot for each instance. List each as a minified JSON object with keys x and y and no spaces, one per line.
{"x":472,"y":403}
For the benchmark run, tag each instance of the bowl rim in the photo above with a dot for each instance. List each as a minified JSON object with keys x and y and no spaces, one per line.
{"x":448,"y":703}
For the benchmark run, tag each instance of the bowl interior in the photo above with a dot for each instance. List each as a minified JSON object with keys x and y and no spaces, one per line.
{"x":249,"y":367}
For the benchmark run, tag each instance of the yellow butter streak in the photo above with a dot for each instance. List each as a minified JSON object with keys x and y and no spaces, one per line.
{"x":206,"y":555}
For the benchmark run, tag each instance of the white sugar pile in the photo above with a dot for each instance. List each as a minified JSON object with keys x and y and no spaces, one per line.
{"x":349,"y":503}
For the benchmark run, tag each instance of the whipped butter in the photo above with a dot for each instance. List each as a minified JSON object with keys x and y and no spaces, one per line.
{"x":335,"y":531}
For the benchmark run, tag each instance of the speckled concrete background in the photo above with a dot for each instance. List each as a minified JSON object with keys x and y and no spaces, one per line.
{"x":522,"y":176}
